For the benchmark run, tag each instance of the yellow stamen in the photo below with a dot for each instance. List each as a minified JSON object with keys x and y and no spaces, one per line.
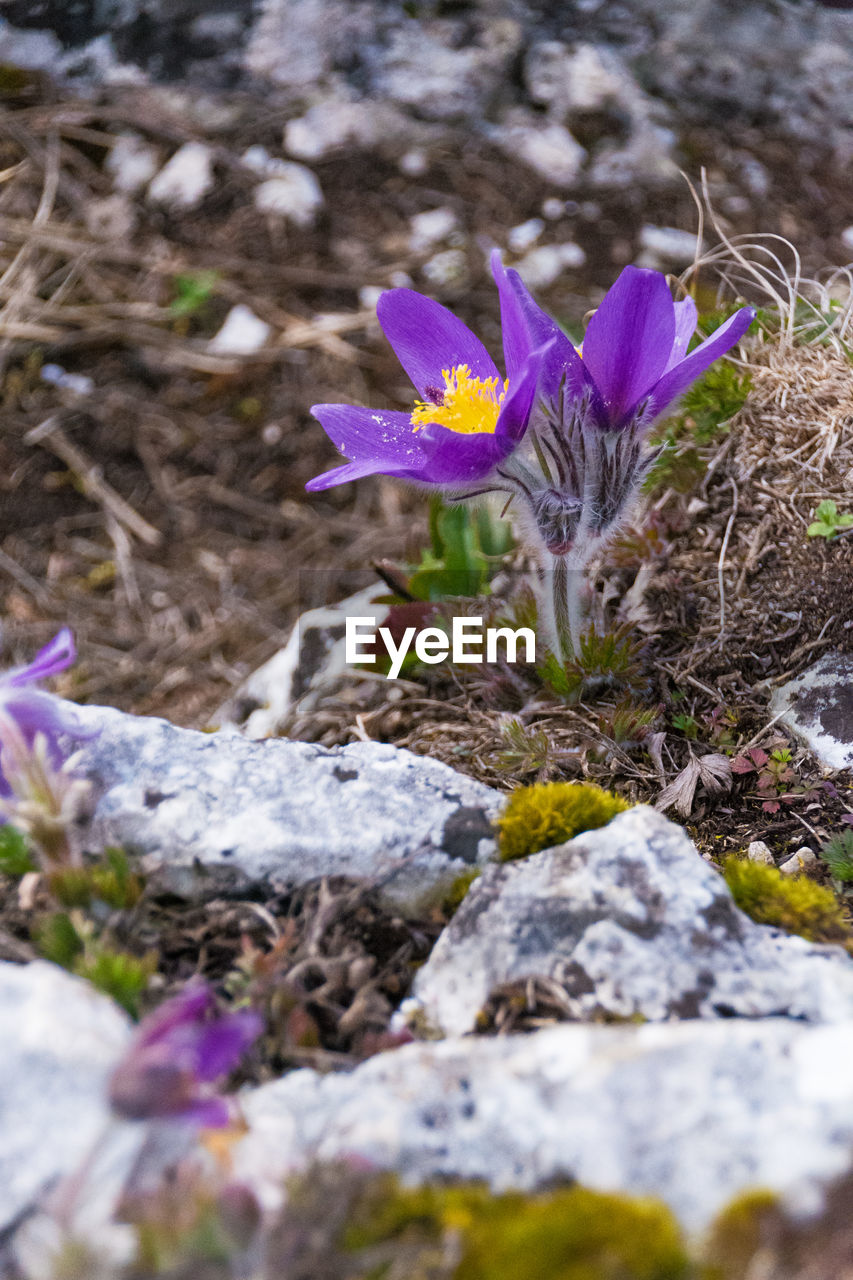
{"x":469,"y":405}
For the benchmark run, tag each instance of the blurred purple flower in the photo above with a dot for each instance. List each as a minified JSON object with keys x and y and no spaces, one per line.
{"x":26,"y":712}
{"x":178,"y":1053}
{"x":468,"y":420}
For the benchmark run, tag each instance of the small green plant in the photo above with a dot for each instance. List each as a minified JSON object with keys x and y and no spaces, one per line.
{"x":795,"y":904}
{"x":604,"y":661}
{"x":686,"y":723}
{"x":68,"y":939}
{"x":192,"y":292}
{"x":15,"y":860}
{"x":705,"y":413}
{"x":777,"y":783}
{"x":828,"y":520}
{"x":837,"y":853}
{"x":526,"y":750}
{"x":467,"y":544}
{"x":548,"y":813}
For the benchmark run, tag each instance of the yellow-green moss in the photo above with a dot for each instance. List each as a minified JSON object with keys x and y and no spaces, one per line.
{"x":569,"y":1234}
{"x":457,"y":891}
{"x":796,"y":904}
{"x":548,"y":813}
{"x":738,"y":1234}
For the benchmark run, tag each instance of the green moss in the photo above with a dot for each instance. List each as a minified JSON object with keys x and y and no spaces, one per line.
{"x":548,"y":813}
{"x":457,"y":891}
{"x":568,"y":1234}
{"x":738,"y":1234}
{"x":796,"y":904}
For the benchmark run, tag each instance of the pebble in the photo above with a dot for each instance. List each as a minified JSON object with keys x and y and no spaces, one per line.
{"x":543,"y":265}
{"x":847,"y":238}
{"x":758,"y":852}
{"x":186,"y":179}
{"x":431,"y":227}
{"x":447,"y":267}
{"x":798,"y":862}
{"x":132,"y":162}
{"x":527,"y":233}
{"x":294,"y":193}
{"x":242,"y":334}
{"x":669,"y":246}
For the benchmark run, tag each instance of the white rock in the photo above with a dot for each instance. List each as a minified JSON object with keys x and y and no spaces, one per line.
{"x":431,"y":227}
{"x":257,"y":159}
{"x":335,"y":123}
{"x":132,"y":162}
{"x":543,"y":265}
{"x":818,"y":708}
{"x":414,"y":163}
{"x":758,"y":852}
{"x":579,"y":80}
{"x":61,"y":1038}
{"x":626,"y":920}
{"x":553,"y":208}
{"x":78,"y":383}
{"x":311,"y":664}
{"x":669,"y":246}
{"x":186,"y":179}
{"x":294,"y":193}
{"x":208,"y":807}
{"x":111,"y":217}
{"x":548,"y":148}
{"x":448,"y":267}
{"x":847,"y":238}
{"x":798,"y":862}
{"x":694,"y":1113}
{"x":369,"y":295}
{"x":526,"y":233}
{"x":242,"y":333}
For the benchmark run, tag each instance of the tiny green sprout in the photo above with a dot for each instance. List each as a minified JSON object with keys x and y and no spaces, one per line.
{"x":686,"y":723}
{"x":828,"y":520}
{"x":837,"y":853}
{"x":548,"y":813}
{"x":192,"y":292}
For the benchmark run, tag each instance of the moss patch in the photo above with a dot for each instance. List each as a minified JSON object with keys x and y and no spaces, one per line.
{"x":548,"y":813}
{"x":796,"y":904}
{"x":569,"y":1234}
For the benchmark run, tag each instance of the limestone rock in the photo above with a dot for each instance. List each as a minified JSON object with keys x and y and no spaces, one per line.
{"x":186,"y":179}
{"x":60,"y":1039}
{"x":628,"y":921}
{"x":213,"y":809}
{"x":818,"y":708}
{"x":695,"y":1113}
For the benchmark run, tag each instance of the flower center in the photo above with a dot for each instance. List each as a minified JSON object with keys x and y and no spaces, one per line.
{"x":467,"y":404}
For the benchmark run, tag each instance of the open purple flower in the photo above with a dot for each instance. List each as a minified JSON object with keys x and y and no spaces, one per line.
{"x":28,"y":712}
{"x":176,"y":1057}
{"x":468,"y":418}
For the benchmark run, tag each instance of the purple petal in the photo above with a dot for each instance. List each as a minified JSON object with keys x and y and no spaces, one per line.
{"x":526,"y":327}
{"x":457,"y":459}
{"x":186,"y":1009}
{"x":56,"y":655}
{"x":210,"y":1113}
{"x":686,"y":319}
{"x":676,"y":381}
{"x":521,"y":394}
{"x":376,"y":440}
{"x":629,"y":339}
{"x":38,"y":712}
{"x":428,"y":338}
{"x":221,"y":1044}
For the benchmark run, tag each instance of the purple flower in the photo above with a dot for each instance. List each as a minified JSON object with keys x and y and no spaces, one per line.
{"x":178,"y":1053}
{"x":468,"y":418}
{"x":634,"y":362}
{"x":26,"y":712}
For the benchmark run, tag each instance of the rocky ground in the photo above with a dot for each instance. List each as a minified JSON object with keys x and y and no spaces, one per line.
{"x":199,"y":205}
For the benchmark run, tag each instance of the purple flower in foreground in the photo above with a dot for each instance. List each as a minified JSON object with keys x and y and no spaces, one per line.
{"x":26,"y":713}
{"x":468,"y":418}
{"x":177,"y":1055}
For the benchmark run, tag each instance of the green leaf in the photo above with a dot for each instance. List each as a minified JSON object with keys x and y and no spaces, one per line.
{"x":15,"y":860}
